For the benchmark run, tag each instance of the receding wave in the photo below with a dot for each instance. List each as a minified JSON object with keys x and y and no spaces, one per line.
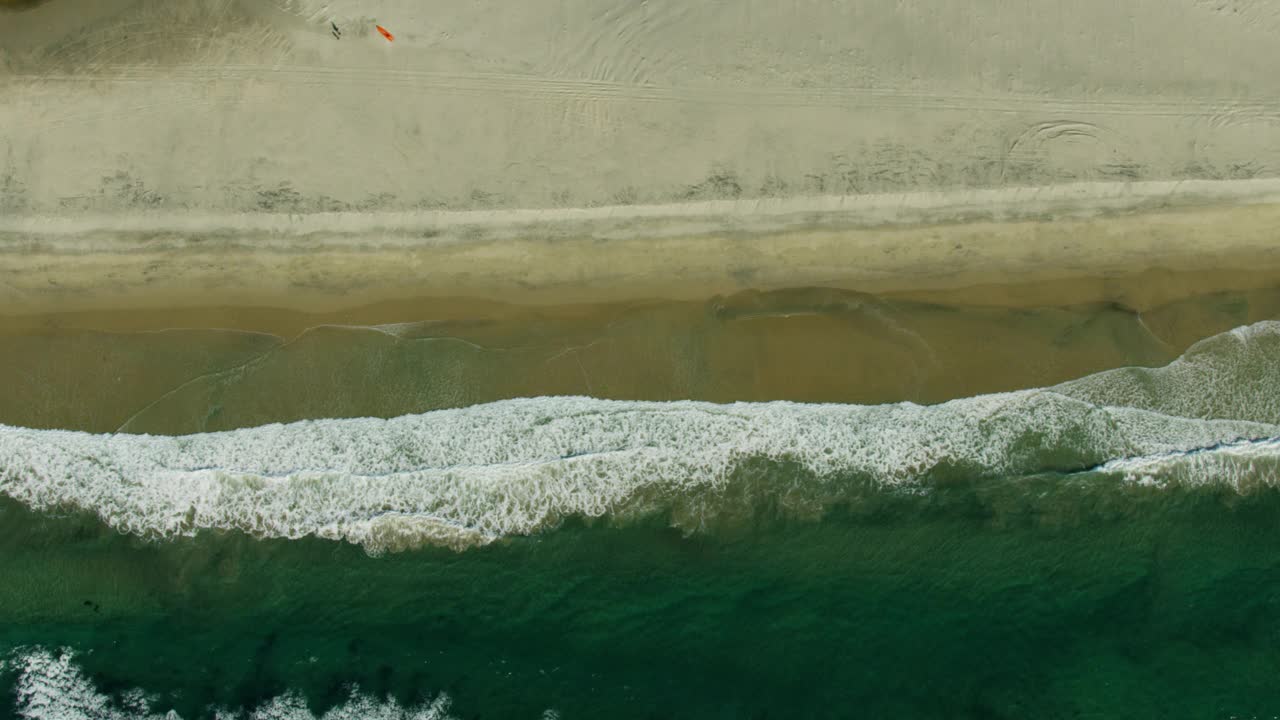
{"x":469,"y":476}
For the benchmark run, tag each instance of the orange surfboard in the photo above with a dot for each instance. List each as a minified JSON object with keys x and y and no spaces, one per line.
{"x":385,"y":34}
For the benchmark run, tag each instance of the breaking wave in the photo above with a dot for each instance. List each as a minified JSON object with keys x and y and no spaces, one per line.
{"x":469,"y":476}
{"x":50,"y":686}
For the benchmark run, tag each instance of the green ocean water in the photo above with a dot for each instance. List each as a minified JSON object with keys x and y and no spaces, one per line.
{"x":1102,"y":548}
{"x":975,"y":603}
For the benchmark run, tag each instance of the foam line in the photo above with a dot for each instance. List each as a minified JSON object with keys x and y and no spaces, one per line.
{"x":468,"y":476}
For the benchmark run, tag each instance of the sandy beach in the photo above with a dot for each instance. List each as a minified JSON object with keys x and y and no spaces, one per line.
{"x":340,"y":261}
{"x":285,"y":155}
{"x":220,"y":106}
{"x":812,"y":201}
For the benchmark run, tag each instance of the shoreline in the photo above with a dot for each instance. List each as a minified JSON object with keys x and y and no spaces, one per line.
{"x":1065,"y":245}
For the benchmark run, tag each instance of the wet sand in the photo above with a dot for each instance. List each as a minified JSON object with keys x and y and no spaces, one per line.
{"x":141,"y":371}
{"x":169,"y":325}
{"x":47,"y":266}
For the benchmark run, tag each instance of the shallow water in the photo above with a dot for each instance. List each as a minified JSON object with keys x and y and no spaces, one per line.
{"x":1098,"y":547}
{"x":140,"y":372}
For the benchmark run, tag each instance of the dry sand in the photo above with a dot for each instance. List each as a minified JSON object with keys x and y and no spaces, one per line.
{"x":228,"y":152}
{"x":255,"y":105}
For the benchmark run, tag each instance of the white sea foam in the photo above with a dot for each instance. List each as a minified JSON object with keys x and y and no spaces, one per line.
{"x":50,"y":686}
{"x":468,"y":476}
{"x":1241,"y":465}
{"x":1232,"y":375}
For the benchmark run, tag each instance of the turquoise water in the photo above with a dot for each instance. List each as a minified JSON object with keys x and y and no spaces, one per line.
{"x":1102,"y":548}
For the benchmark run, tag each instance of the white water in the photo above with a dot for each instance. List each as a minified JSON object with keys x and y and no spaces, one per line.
{"x":1241,"y":465}
{"x":51,"y":687}
{"x":468,"y":476}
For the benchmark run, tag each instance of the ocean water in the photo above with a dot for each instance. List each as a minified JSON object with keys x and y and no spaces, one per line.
{"x":1100,"y":547}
